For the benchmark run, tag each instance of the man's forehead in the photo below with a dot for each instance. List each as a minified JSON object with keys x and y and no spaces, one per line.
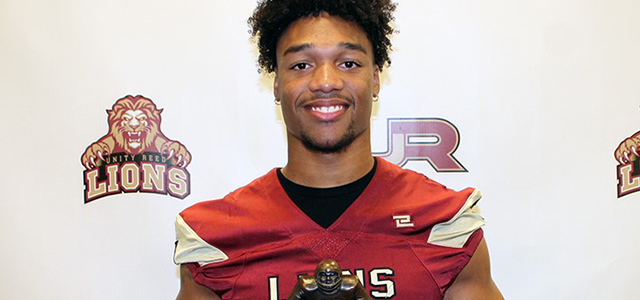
{"x":310,"y":46}
{"x":323,"y":31}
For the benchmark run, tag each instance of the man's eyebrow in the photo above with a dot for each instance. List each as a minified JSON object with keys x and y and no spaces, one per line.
{"x":352,"y":46}
{"x":346,"y":45}
{"x":297,"y":48}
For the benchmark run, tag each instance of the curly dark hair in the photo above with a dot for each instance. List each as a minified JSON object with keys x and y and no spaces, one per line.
{"x":272,"y":17}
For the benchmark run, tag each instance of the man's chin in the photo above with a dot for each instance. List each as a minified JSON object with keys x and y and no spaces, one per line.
{"x":328,"y":147}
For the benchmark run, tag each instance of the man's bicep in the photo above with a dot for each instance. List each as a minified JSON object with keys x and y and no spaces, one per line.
{"x":191,"y":290}
{"x":474,"y":281}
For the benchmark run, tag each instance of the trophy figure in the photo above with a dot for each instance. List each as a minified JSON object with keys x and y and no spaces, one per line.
{"x":328,"y":283}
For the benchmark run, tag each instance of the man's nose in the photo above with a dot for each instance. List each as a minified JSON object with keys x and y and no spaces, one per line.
{"x":326,"y":78}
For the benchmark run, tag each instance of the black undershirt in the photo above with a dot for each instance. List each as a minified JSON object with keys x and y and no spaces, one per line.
{"x":325,"y":205}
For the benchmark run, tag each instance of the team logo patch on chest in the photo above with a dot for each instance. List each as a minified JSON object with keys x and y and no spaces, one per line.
{"x":403,"y":221}
{"x":135,"y":156}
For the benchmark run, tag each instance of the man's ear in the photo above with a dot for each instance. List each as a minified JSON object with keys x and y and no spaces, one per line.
{"x":276,"y":92}
{"x":376,"y":81}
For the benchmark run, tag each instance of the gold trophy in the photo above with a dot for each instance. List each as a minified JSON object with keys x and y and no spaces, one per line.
{"x":328,"y":283}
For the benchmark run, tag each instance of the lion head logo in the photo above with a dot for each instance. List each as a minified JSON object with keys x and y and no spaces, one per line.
{"x":134,"y":124}
{"x":134,"y":128}
{"x":134,"y":156}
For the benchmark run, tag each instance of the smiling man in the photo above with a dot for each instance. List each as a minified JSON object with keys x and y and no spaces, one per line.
{"x":401,"y":234}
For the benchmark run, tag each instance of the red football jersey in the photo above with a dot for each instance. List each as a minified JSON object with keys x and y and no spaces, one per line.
{"x":406,"y":237}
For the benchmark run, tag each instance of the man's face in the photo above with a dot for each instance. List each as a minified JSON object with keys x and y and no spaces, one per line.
{"x":325,"y":79}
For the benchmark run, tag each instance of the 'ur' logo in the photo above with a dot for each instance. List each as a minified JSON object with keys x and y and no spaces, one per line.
{"x":430,"y":139}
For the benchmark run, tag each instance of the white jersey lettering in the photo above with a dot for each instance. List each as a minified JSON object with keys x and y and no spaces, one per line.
{"x":378,"y":281}
{"x":381,"y":278}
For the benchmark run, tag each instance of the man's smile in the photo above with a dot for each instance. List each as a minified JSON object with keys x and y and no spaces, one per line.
{"x":327,"y":110}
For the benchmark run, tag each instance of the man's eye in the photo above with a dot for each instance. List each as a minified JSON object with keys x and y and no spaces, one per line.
{"x":350,"y":64}
{"x":300,"y":66}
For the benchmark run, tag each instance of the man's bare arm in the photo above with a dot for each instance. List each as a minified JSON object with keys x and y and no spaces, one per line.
{"x":474,"y":282}
{"x":191,"y":290}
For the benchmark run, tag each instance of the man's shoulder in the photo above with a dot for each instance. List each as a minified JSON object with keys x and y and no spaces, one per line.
{"x":406,"y":177}
{"x":406,"y":187}
{"x":242,"y":220}
{"x":257,"y":190}
{"x":246,"y":207}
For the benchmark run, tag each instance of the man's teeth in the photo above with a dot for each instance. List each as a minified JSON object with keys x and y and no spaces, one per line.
{"x":327,"y":109}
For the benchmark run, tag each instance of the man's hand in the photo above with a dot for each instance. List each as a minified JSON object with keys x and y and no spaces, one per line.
{"x":191,"y":290}
{"x":474,"y":282}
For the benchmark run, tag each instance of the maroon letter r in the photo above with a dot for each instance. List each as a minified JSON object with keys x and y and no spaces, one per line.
{"x":430,"y":139}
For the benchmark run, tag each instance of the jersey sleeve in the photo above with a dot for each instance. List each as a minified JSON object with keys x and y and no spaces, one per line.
{"x":452,"y":243}
{"x":191,"y":248}
{"x":216,"y":238}
{"x":209,"y":265}
{"x":456,"y":231}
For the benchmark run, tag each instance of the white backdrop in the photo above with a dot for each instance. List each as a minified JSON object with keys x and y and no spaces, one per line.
{"x":542,"y":93}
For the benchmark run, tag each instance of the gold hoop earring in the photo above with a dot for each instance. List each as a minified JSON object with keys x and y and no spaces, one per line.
{"x":375,"y":98}
{"x":276,"y":101}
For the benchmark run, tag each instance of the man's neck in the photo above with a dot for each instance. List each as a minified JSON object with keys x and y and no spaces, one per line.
{"x":321,"y":170}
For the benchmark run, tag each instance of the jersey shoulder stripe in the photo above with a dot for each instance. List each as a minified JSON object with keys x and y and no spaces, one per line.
{"x":456,"y":231}
{"x":190,"y":248}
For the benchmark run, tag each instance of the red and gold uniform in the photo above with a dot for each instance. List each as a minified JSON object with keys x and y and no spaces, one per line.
{"x":405,"y":237}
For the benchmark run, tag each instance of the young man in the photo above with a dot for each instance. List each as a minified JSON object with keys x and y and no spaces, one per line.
{"x":403,"y":235}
